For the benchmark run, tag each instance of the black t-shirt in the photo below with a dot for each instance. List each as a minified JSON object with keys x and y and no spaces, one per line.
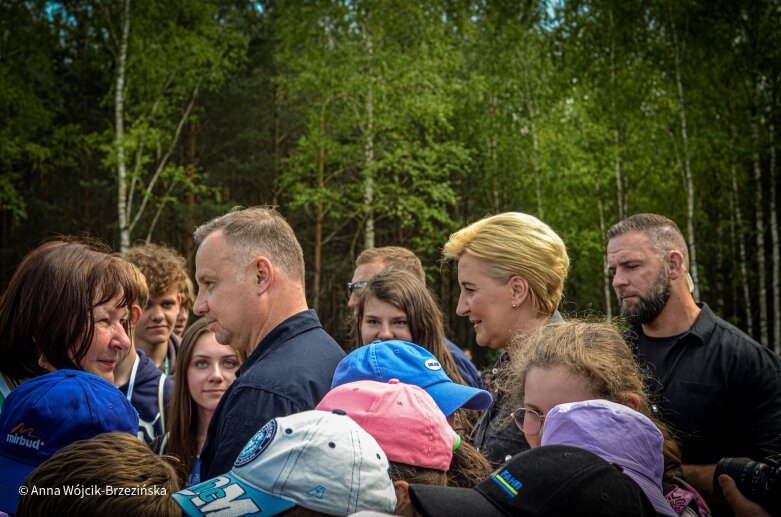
{"x":653,"y":351}
{"x":717,"y":389}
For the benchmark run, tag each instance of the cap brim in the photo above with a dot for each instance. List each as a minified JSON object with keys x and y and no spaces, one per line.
{"x":446,"y":501}
{"x":11,"y":481}
{"x":451,"y":396}
{"x":653,"y":492}
{"x":229,"y":495}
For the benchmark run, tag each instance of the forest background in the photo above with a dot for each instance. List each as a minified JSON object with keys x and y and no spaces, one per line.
{"x":393,"y":122}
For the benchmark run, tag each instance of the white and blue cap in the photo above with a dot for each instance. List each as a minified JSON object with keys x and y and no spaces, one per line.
{"x":319,"y":460}
{"x":382,"y":361}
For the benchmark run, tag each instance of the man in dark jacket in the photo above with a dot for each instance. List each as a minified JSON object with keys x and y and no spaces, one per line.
{"x":250,"y":274}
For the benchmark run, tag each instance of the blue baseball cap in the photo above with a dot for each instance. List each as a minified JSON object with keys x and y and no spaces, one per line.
{"x":382,"y":361}
{"x":46,"y":413}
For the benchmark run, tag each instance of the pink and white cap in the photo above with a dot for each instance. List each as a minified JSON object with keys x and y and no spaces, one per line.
{"x":404,"y":419}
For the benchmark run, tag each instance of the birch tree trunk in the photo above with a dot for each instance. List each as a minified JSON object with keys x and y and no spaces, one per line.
{"x":618,"y":164}
{"x":119,"y":123}
{"x":368,"y":192}
{"x":687,"y":170}
{"x":493,"y":158}
{"x":735,"y":201}
{"x":605,"y":275}
{"x":760,"y":217}
{"x":535,"y":140}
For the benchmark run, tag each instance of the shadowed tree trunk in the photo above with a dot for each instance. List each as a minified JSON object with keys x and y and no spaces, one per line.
{"x":759,"y":214}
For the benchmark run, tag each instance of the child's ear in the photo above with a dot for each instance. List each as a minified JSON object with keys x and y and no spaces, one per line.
{"x":632,"y":401}
{"x":403,"y":502}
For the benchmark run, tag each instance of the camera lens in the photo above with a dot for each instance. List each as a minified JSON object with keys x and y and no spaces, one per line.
{"x":751,"y":477}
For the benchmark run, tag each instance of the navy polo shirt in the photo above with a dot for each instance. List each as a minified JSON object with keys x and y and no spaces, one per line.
{"x":290,"y":371}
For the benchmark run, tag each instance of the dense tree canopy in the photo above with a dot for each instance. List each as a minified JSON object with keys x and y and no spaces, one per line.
{"x":384,"y":122}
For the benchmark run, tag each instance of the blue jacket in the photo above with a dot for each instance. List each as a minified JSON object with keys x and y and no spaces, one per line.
{"x":290,"y":371}
{"x":145,"y":396}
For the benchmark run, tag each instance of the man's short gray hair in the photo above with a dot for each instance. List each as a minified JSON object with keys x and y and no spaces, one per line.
{"x":663,"y":233}
{"x":257,"y":231}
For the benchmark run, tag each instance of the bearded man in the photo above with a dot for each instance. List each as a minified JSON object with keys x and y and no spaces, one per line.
{"x":718,"y":389}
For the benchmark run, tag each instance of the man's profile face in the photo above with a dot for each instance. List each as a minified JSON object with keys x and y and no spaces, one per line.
{"x":640,"y":279}
{"x":363,"y":273}
{"x":226,"y":293}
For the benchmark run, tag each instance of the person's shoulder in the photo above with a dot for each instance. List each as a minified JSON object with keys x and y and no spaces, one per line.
{"x":300,"y":329}
{"x":147,"y":369}
{"x":313,"y":342}
{"x":732,"y":340}
{"x":728,"y":334}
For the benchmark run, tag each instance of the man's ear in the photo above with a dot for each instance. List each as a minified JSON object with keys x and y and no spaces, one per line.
{"x":135,"y":314}
{"x":675,"y":265}
{"x":263,"y":274}
{"x":520,"y":290}
{"x":403,"y":502}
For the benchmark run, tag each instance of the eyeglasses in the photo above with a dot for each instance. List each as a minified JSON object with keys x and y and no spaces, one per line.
{"x":352,"y":286}
{"x":528,"y":420}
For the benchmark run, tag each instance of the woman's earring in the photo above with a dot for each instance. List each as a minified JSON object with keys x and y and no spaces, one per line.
{"x":43,"y":364}
{"x":513,"y":306}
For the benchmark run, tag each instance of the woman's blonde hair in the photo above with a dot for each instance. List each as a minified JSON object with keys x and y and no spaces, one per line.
{"x":594,"y":351}
{"x":517,"y":244}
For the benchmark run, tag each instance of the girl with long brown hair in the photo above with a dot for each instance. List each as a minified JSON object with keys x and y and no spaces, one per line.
{"x":205,"y":369}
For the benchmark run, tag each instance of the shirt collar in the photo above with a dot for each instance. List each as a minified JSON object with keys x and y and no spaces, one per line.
{"x":701,"y":329}
{"x":289,"y":328}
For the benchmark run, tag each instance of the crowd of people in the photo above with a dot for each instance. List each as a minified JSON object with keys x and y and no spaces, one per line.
{"x":111,"y":402}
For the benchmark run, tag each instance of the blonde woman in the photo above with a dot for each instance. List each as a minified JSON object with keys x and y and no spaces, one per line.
{"x":511,"y":271}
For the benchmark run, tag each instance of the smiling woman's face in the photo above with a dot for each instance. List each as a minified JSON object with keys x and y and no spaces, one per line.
{"x":110,"y":342}
{"x":487,"y":303}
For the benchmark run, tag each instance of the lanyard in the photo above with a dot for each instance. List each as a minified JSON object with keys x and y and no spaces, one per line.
{"x":165,"y":365}
{"x":132,"y":380}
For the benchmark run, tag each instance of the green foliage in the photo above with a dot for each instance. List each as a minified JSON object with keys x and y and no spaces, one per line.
{"x":468,"y":108}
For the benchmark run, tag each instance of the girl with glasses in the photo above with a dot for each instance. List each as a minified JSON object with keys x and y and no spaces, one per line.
{"x":576,"y":361}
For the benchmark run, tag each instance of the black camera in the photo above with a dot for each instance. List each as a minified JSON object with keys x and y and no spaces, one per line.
{"x":759,"y":481}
